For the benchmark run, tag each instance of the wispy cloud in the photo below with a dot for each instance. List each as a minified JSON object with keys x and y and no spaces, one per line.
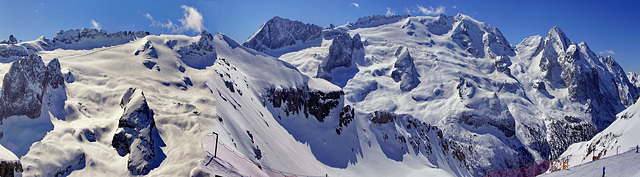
{"x":407,"y":11}
{"x":430,"y":10}
{"x":454,"y":6}
{"x":390,"y":12}
{"x":191,"y":21}
{"x":355,"y":5}
{"x":608,"y":52}
{"x":95,"y":24}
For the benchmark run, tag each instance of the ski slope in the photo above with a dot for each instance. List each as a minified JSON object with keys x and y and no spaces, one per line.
{"x":624,"y":164}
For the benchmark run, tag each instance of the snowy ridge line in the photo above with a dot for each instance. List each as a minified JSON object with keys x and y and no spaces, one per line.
{"x":283,"y":173}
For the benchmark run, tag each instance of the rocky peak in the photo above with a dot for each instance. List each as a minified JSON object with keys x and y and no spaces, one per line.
{"x":342,"y":52}
{"x":281,"y":32}
{"x":479,"y":38}
{"x":557,"y":39}
{"x":405,"y":71}
{"x":199,"y":54}
{"x":135,"y":133}
{"x":25,"y":84}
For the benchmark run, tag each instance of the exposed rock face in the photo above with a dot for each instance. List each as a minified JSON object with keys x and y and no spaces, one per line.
{"x":376,"y":20}
{"x":342,"y":52}
{"x":9,"y":163}
{"x":9,"y":168}
{"x":294,"y":101}
{"x":25,"y":84}
{"x":6,"y":52}
{"x":405,"y":71}
{"x":634,"y":79}
{"x":200,"y":54}
{"x":134,"y":135}
{"x":76,"y":35}
{"x":442,"y":25}
{"x":281,"y":32}
{"x":12,"y":40}
{"x":148,"y":50}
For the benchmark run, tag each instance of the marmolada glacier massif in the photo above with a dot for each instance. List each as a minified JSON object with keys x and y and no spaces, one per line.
{"x":386,"y":95}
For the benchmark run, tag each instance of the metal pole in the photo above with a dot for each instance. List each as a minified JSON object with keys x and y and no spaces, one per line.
{"x":215,"y":152}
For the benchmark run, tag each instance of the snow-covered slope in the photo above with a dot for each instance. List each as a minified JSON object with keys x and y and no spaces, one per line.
{"x":620,"y":136}
{"x":74,"y":132}
{"x":625,"y":164}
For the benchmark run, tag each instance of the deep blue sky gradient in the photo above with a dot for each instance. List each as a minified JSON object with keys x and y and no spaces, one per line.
{"x":604,"y":25}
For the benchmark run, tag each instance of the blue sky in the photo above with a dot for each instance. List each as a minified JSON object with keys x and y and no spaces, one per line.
{"x":609,"y":27}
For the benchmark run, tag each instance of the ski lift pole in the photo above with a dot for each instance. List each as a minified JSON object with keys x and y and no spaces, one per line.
{"x":215,"y":152}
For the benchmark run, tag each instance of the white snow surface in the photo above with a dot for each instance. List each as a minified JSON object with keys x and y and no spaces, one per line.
{"x":6,"y":155}
{"x":625,"y":164}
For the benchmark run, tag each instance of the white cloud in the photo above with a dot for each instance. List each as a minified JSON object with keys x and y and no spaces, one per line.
{"x":407,"y":11}
{"x":148,"y":16}
{"x":455,"y":6}
{"x":96,"y":25}
{"x":389,"y":12}
{"x":191,"y":21}
{"x":356,"y":5}
{"x":430,"y":11}
{"x":608,"y":52}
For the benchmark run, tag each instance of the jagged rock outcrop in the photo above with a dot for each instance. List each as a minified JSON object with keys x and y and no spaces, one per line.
{"x":135,"y":133}
{"x":634,"y":79}
{"x":302,"y":99}
{"x":199,"y":54}
{"x":12,"y":40}
{"x":108,"y":39}
{"x":281,"y":32}
{"x":441,"y":26}
{"x":342,"y":53}
{"x":148,"y":50}
{"x":376,"y":20}
{"x":405,"y":71}
{"x":25,"y":84}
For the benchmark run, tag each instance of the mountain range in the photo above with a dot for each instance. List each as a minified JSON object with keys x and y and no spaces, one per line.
{"x":386,"y":95}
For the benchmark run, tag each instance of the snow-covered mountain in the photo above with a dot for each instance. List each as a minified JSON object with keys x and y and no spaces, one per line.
{"x":279,"y":35}
{"x":386,"y":95}
{"x":513,"y":104}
